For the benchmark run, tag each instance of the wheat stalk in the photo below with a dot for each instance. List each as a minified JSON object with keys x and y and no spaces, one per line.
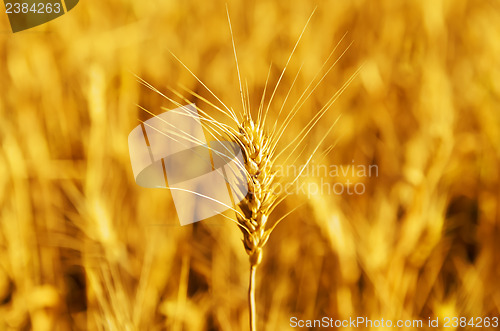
{"x":260,"y":153}
{"x":259,"y":200}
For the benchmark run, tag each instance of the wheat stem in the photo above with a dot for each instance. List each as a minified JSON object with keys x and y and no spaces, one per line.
{"x":251,"y":298}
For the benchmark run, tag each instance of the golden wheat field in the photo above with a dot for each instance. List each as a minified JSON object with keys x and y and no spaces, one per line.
{"x":412,"y":139}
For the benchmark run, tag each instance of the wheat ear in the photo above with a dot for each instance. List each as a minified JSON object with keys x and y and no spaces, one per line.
{"x":259,"y":201}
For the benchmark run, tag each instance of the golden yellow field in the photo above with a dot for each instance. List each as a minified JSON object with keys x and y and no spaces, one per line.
{"x":83,"y":247}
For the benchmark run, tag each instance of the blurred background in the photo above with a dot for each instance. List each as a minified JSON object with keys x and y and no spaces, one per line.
{"x":82,"y":247}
